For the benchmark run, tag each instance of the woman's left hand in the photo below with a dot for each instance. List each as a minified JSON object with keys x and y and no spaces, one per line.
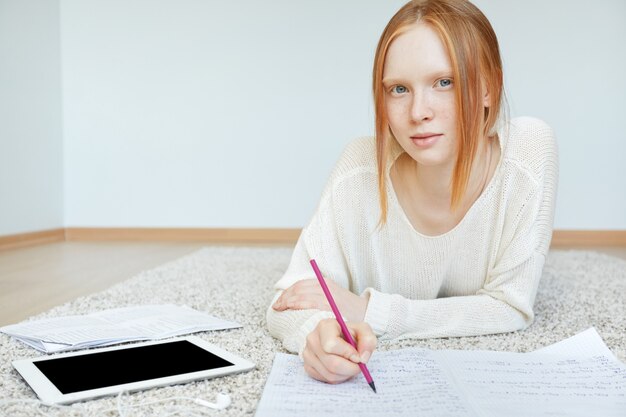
{"x":308,"y":294}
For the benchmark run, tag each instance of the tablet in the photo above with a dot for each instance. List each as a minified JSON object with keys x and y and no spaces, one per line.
{"x":77,"y":376}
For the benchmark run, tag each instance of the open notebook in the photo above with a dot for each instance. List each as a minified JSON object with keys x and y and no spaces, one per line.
{"x":576,"y":377}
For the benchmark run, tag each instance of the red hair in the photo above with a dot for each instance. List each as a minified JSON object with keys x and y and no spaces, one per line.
{"x":474,"y":53}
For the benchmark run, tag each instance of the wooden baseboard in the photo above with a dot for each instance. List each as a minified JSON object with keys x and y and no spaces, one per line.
{"x":560,"y":238}
{"x":33,"y":238}
{"x":269,"y":236}
{"x":588,"y":238}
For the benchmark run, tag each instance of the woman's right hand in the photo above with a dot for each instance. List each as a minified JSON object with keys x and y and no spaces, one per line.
{"x":328,"y":357}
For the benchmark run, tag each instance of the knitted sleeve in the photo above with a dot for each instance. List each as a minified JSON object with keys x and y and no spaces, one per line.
{"x":505,"y":303}
{"x":292,"y":326}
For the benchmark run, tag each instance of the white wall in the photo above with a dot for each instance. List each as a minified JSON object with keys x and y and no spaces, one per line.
{"x":211,"y":114}
{"x":565,"y":62}
{"x":207,"y":113}
{"x":31,"y":148}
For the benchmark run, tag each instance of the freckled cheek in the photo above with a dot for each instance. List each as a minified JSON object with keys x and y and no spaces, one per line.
{"x":443,"y":103}
{"x":448,"y":123}
{"x":448,"y":120}
{"x":397,"y":114}
{"x":445,"y":108}
{"x":448,"y":112}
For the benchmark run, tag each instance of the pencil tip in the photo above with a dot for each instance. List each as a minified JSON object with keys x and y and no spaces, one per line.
{"x":373,"y":386}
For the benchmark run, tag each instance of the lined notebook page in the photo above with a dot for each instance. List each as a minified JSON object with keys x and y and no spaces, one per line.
{"x":409,"y":382}
{"x":519,"y":385}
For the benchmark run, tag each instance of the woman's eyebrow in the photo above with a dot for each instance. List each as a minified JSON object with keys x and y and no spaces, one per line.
{"x":430,"y":76}
{"x":387,"y":81}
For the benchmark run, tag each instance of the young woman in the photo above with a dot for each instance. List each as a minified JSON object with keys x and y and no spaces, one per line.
{"x":440,"y":225}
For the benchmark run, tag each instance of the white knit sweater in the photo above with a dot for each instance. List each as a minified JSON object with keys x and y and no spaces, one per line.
{"x":481,"y":277}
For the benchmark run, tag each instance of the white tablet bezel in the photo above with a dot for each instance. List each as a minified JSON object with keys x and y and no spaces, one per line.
{"x":49,"y":394}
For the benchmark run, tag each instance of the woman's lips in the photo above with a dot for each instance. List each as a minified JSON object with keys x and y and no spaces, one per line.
{"x":425,"y":140}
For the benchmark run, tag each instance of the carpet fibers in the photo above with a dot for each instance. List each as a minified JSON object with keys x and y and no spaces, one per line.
{"x":579,"y":289}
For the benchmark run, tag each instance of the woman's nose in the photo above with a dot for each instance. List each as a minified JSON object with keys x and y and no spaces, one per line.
{"x":420,"y":108}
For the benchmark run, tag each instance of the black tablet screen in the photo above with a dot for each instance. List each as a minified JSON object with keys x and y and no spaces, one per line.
{"x":115,"y":367}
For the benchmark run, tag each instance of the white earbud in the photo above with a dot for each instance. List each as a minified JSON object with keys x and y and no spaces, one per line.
{"x":222,"y":401}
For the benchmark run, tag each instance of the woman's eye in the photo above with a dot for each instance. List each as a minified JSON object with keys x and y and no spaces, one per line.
{"x":399,"y":89}
{"x":444,"y":82}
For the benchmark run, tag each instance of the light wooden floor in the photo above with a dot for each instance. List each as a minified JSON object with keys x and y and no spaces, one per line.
{"x":34,"y":279}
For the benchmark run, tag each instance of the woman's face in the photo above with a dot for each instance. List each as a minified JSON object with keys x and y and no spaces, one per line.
{"x":419,"y":96}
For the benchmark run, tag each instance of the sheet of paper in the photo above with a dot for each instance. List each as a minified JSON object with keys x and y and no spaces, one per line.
{"x":576,"y":377}
{"x":114,"y":326}
{"x":584,"y":343}
{"x":520,"y":385}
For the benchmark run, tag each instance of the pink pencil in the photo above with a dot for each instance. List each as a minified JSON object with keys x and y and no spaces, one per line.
{"x":344,"y":329}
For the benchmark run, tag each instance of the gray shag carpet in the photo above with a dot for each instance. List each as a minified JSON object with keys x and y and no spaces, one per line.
{"x":579,"y":289}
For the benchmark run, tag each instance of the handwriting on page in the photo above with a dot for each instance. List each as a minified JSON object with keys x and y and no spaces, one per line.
{"x":411,"y":383}
{"x":577,"y":377}
{"x":514,"y":385}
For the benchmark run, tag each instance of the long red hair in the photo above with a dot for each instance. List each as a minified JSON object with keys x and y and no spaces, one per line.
{"x":474,"y":53}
